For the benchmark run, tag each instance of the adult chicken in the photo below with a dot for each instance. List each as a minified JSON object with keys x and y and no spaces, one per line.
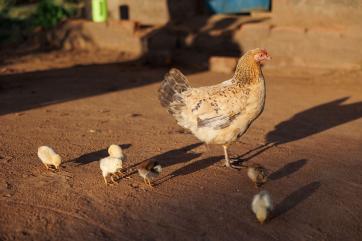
{"x":218,"y":114}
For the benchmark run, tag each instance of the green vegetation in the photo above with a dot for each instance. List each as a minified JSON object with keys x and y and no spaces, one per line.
{"x":48,"y":14}
{"x":19,"y":18}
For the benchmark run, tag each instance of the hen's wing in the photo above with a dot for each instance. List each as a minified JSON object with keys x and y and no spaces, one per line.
{"x":215,"y":106}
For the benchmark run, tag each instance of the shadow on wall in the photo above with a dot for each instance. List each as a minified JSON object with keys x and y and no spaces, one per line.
{"x":193,"y":36}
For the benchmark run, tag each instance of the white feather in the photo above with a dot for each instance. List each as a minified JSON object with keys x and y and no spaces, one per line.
{"x":261,"y":205}
{"x":115,"y":151}
{"x":110,"y":165}
{"x":158,"y":168}
{"x":48,"y":156}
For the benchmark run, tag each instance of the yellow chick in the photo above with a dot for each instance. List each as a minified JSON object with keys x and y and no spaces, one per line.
{"x":110,"y":166}
{"x":262,"y":206}
{"x":116,"y":152}
{"x":49,"y":158}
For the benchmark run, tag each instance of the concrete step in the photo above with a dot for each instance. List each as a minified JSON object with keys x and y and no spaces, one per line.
{"x":121,"y":36}
{"x":306,"y":47}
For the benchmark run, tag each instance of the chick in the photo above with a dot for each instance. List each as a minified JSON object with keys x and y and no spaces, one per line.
{"x":258,"y":174}
{"x":110,"y":166}
{"x":116,"y":152}
{"x":262,"y":206}
{"x":149,"y":170}
{"x":49,"y":158}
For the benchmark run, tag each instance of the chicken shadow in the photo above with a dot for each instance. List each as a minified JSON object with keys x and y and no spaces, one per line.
{"x":295,"y":198}
{"x":94,"y":156}
{"x":308,"y":122}
{"x":191,"y":168}
{"x":172,"y":157}
{"x":288,"y":169}
{"x":315,"y":120}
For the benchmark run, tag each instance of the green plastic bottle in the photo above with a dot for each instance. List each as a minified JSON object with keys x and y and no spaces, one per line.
{"x":99,"y":10}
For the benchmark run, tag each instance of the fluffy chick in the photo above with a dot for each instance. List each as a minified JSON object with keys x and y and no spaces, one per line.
{"x":262,"y":206}
{"x":116,"y":152}
{"x":49,"y":158}
{"x":258,"y":174}
{"x":110,"y":166}
{"x":149,"y":170}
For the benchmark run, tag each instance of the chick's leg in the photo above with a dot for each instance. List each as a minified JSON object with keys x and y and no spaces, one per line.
{"x":112,"y":178}
{"x":149,"y":183}
{"x":105,"y":180}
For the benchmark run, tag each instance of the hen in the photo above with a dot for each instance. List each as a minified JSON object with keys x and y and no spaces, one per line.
{"x":218,"y":114}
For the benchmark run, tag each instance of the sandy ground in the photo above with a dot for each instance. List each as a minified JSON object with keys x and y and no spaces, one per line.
{"x":316,"y":181}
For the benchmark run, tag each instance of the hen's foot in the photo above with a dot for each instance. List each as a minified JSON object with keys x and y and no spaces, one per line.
{"x":230,"y":163}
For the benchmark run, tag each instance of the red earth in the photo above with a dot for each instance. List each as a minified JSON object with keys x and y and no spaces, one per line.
{"x":79,"y":105}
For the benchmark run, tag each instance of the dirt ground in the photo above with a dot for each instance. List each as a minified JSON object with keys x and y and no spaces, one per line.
{"x":79,"y":110}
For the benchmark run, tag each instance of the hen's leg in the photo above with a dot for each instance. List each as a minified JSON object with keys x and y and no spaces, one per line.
{"x":207,"y":148}
{"x":227,"y":160}
{"x":112,"y":179}
{"x":149,"y":183}
{"x":105,"y":180}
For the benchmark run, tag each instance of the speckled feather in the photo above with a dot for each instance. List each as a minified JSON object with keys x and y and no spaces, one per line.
{"x":217,"y":114}
{"x":258,"y":174}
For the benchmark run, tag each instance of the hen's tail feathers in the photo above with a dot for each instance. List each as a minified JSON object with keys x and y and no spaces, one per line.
{"x":173,"y":84}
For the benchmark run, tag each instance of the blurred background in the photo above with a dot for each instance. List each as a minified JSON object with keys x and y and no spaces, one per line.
{"x":308,"y":33}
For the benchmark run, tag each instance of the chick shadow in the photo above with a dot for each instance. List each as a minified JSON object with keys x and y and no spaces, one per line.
{"x":95,"y":156}
{"x":287,"y":169}
{"x":295,"y":198}
{"x":307,"y":123}
{"x":190,"y":168}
